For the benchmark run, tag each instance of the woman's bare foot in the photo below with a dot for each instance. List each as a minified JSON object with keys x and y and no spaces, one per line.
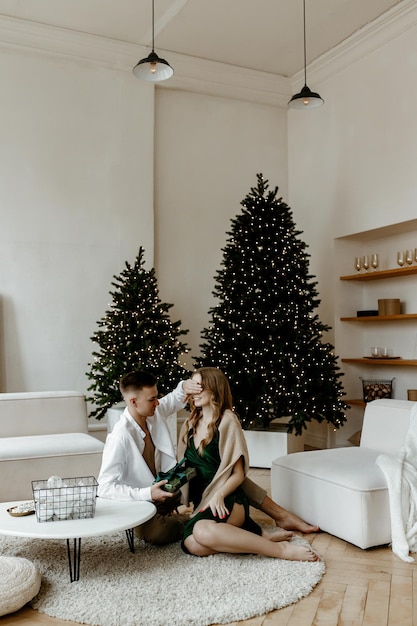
{"x":290,"y":521}
{"x":295,"y":552}
{"x":277,"y":534}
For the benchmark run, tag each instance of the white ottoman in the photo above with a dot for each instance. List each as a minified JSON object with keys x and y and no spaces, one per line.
{"x":20,"y":581}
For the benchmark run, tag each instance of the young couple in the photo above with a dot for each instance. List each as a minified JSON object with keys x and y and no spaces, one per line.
{"x":212,"y":441}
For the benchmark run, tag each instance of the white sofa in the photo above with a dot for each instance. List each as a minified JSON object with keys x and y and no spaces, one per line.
{"x":342,"y":490}
{"x":44,"y":434}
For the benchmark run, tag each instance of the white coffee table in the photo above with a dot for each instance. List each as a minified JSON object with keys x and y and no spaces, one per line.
{"x":110,"y":516}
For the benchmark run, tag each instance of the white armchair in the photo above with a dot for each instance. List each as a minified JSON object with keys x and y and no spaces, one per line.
{"x":342,"y":490}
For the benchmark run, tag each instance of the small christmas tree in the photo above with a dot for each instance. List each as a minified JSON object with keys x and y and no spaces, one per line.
{"x":264,"y":333}
{"x":136,"y":333}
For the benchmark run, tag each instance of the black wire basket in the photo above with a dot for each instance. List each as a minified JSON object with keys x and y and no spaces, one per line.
{"x":75,"y":498}
{"x":375,"y":389}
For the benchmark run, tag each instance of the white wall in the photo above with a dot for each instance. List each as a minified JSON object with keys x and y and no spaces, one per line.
{"x":76,"y":201}
{"x":352,"y":162}
{"x":208,"y":151}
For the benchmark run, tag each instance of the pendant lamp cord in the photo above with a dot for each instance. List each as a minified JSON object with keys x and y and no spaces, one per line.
{"x":153,"y":26}
{"x":305,"y":54}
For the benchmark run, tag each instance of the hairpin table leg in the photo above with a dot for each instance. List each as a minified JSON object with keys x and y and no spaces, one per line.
{"x":130,"y":536}
{"x":74,"y":559}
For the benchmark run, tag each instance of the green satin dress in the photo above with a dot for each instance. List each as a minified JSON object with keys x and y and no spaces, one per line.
{"x":206,"y":466}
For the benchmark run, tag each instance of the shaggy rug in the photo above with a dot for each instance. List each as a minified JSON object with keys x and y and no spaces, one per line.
{"x":159,"y":586}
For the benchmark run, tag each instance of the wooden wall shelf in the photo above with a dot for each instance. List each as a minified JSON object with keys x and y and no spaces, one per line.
{"x":356,"y":402}
{"x":366,"y":327}
{"x":397,"y":271}
{"x":390,"y":362}
{"x":380,"y":318}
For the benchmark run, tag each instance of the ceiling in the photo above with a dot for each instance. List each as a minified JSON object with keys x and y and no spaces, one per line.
{"x":265,"y":35}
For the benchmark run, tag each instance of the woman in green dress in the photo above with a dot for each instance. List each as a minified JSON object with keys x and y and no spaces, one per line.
{"x":212,"y":440}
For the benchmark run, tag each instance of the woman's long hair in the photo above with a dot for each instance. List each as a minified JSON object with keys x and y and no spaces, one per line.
{"x":214,"y":381}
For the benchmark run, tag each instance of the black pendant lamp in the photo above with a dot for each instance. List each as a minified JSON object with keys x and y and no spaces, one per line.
{"x":153,"y":68}
{"x":306,"y":99}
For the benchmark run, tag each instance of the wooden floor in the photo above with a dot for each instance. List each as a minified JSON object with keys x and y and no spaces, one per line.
{"x":369,"y":588}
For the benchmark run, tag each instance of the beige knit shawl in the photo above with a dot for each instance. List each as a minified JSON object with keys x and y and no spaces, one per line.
{"x":232,"y":446}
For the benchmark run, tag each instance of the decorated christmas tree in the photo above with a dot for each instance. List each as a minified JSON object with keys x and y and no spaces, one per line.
{"x":263,"y":332}
{"x":135,"y":333}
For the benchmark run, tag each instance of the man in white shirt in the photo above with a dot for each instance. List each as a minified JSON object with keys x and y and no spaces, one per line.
{"x":140,"y":446}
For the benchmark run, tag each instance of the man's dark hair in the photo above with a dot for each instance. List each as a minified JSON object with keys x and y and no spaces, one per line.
{"x":136,"y":381}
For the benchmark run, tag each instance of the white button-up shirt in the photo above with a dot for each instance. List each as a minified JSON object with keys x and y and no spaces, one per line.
{"x":124,"y":473}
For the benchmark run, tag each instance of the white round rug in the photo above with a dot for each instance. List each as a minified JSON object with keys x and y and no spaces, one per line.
{"x":159,"y":586}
